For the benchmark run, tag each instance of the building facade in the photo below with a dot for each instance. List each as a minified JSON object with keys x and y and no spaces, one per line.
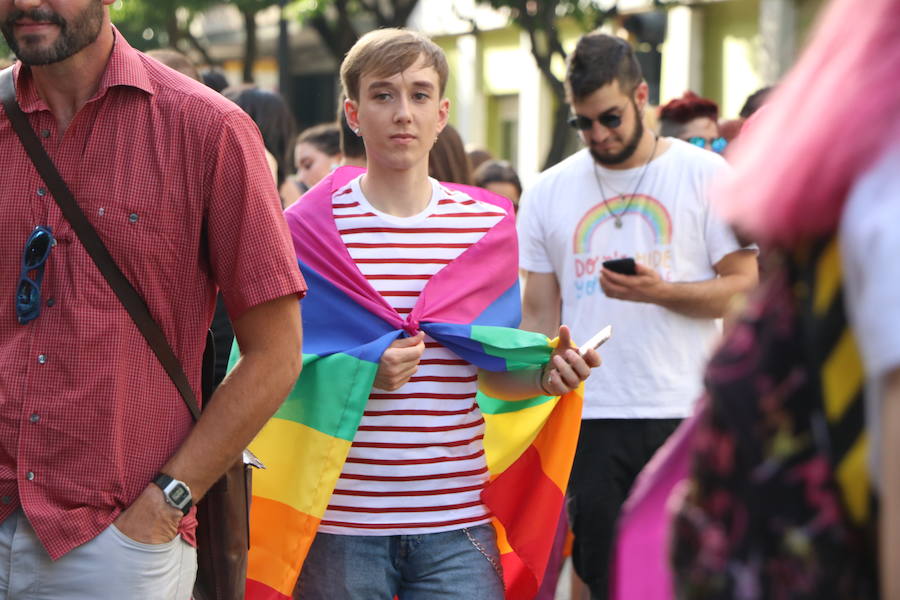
{"x":721,"y":49}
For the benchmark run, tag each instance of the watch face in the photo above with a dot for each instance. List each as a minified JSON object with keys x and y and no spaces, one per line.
{"x":179,"y":494}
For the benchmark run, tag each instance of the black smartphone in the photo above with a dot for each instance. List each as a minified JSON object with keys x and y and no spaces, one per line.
{"x":625,"y":266}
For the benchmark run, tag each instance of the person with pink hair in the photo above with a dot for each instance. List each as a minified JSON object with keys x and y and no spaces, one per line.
{"x":795,"y":483}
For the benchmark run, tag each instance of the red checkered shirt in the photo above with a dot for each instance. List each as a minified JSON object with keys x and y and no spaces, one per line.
{"x":174,"y":178}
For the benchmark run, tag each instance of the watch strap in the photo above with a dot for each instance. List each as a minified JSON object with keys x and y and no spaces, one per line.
{"x":163,"y":481}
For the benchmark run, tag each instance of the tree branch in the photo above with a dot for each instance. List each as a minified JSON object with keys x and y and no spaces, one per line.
{"x":604,"y":15}
{"x":548,"y":26}
{"x":543,"y":58}
{"x":249,"y":44}
{"x":375,"y":8}
{"x":201,"y":49}
{"x":328,"y":37}
{"x":543,"y":23}
{"x":402,"y":11}
{"x":338,"y":36}
{"x":470,"y":20}
{"x":346,"y":31}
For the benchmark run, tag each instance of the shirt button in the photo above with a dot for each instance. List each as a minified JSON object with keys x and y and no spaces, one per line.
{"x":45,"y":133}
{"x":29,"y":475}
{"x":42,"y":359}
{"x":34,"y":418}
{"x":42,"y":191}
{"x":133,"y":217}
{"x":51,"y":301}
{"x":6,"y":499}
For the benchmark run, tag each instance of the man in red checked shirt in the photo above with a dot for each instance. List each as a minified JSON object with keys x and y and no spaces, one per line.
{"x":174,"y":179}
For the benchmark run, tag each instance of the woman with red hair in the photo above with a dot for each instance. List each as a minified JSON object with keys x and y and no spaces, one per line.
{"x":693,"y":119}
{"x":795,"y":487}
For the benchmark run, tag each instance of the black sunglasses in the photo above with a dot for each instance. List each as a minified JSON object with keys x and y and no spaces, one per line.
{"x":28,"y":294}
{"x":608,"y":120}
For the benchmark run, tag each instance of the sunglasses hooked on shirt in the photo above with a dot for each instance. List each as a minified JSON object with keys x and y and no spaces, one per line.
{"x":28,"y":293}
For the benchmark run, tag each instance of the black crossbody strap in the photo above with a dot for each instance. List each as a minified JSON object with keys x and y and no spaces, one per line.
{"x":128,"y":296}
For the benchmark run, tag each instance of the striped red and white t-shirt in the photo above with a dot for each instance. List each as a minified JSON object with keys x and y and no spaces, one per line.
{"x":417,"y":462}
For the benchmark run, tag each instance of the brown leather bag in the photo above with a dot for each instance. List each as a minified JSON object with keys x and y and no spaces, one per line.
{"x":223,"y":536}
{"x":223,"y":516}
{"x":223,"y":533}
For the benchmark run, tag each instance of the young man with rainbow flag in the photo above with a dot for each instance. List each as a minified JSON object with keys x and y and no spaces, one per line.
{"x":425,"y":450}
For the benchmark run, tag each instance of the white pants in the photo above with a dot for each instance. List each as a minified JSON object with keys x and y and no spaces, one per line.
{"x":109,"y":567}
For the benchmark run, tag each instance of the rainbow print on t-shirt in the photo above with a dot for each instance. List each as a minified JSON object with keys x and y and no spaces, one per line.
{"x":653,"y":213}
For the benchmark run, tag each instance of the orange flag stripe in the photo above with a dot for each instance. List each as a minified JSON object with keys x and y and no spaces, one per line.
{"x":275,"y":566}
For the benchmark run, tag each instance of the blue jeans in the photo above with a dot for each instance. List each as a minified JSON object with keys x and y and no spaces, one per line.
{"x":451,"y":565}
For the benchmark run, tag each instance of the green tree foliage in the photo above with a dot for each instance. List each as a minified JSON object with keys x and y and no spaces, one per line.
{"x":341,"y":22}
{"x":148,"y":24}
{"x":538,"y":19}
{"x":5,"y":52}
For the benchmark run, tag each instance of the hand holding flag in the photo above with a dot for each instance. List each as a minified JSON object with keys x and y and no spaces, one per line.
{"x":567,"y":368}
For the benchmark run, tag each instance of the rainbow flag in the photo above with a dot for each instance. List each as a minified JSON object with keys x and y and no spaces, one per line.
{"x":471,"y":306}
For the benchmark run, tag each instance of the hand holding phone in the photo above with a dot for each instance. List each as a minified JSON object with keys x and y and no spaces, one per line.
{"x":625,"y":266}
{"x":598,"y":340}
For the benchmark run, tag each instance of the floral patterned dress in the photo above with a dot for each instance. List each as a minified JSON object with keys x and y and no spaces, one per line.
{"x":778,"y":504}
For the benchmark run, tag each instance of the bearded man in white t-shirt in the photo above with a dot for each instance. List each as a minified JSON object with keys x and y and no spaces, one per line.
{"x":629,"y":194}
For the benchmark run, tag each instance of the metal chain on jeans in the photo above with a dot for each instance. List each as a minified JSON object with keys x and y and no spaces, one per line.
{"x":497,"y":568}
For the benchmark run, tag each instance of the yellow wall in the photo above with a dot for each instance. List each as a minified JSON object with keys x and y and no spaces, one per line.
{"x":807,"y":12}
{"x":505,"y":57}
{"x":448,"y":45}
{"x":730,"y":47}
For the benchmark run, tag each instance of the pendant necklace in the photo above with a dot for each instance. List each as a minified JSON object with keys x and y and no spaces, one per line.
{"x":617,"y":217}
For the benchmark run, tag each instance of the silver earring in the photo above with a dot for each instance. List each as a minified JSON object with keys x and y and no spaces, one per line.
{"x":356,"y":131}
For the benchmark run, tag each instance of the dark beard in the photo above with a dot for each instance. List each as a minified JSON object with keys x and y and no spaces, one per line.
{"x":73,"y":36}
{"x":630,"y":147}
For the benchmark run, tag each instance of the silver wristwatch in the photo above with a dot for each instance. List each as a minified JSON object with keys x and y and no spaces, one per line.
{"x":177,"y":493}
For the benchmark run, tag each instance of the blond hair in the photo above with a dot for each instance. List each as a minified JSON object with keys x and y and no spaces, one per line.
{"x":386,"y":52}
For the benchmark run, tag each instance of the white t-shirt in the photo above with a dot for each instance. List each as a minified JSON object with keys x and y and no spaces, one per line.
{"x":870,"y":244}
{"x":417,"y":462}
{"x":652,"y":366}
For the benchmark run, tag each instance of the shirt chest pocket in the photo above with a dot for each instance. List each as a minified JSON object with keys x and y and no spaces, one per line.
{"x":147,"y":234}
{"x":137,"y":229}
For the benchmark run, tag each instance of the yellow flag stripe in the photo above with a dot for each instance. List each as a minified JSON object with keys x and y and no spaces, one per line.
{"x":305,"y":484}
{"x":508,"y":435}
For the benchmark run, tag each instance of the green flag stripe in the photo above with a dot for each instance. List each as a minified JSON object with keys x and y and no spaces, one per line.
{"x":314,"y":399}
{"x":520,"y":349}
{"x":494,"y":406}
